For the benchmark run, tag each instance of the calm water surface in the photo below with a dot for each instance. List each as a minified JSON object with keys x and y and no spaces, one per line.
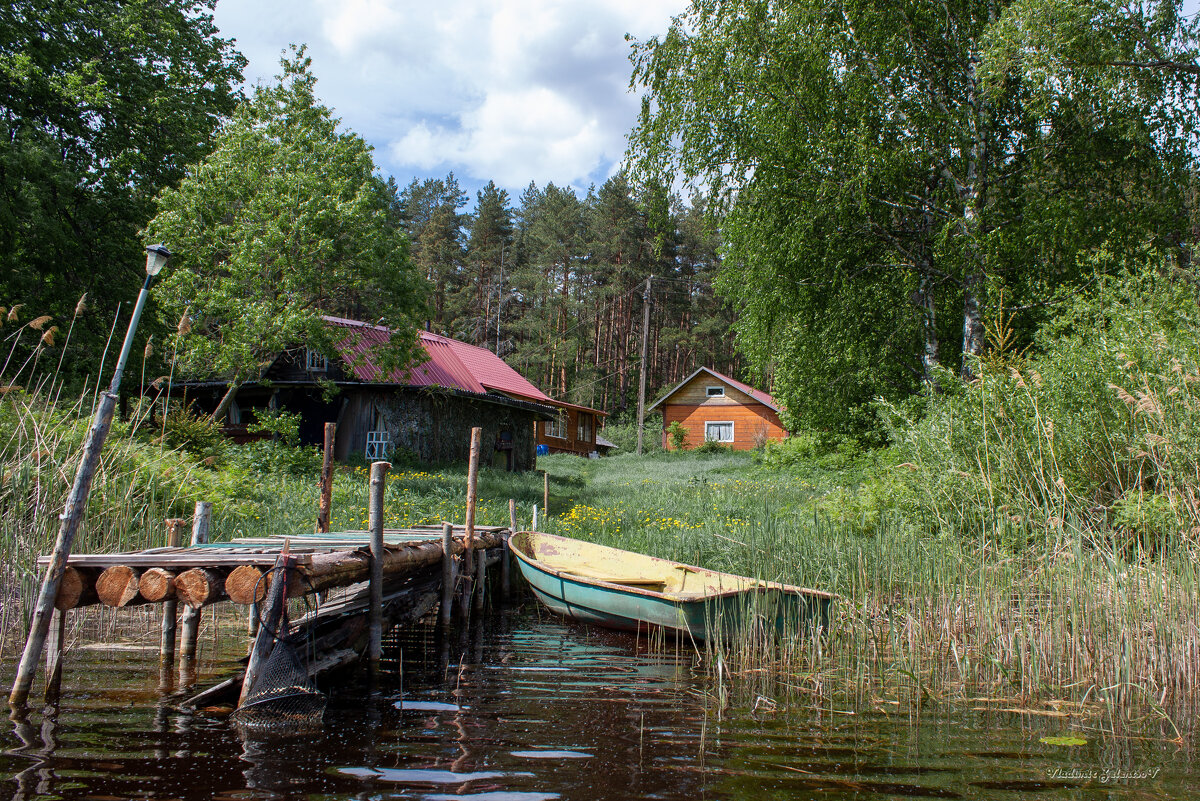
{"x":535,"y":709}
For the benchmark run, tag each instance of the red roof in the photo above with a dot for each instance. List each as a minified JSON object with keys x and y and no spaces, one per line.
{"x":757,"y":394}
{"x":451,"y":364}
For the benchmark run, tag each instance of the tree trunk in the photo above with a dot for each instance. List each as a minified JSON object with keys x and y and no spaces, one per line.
{"x":222,"y":409}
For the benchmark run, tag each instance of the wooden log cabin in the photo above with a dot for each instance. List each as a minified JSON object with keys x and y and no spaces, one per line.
{"x":424,"y":412}
{"x":716,"y":408}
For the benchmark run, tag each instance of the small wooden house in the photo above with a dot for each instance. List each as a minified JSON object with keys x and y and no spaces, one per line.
{"x":572,"y":430}
{"x":426,"y":411}
{"x":716,"y":408}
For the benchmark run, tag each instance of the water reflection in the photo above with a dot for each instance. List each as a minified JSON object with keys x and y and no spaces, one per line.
{"x":529,"y":709}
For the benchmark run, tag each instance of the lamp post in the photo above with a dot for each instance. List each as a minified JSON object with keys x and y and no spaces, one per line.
{"x":39,"y":626}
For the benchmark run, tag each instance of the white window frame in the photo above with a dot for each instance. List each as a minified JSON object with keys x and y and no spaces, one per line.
{"x":714,"y":392}
{"x":708,"y":438}
{"x":557,"y":428}
{"x":314,"y":362}
{"x":379,"y":444}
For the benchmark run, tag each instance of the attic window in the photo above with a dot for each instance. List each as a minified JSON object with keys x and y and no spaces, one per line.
{"x":715,"y":392}
{"x":315,"y":362}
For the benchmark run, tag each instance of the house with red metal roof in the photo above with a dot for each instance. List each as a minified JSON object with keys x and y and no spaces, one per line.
{"x":426,"y":411}
{"x":713,"y":407}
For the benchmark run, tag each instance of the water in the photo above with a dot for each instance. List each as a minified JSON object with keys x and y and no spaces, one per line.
{"x":535,"y":709}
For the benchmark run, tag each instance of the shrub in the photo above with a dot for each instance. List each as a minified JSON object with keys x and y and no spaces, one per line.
{"x":677,"y":434}
{"x":198,"y":434}
{"x":1100,"y":426}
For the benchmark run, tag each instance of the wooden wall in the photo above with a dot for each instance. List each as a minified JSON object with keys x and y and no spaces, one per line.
{"x":571,"y":443}
{"x":753,"y":422}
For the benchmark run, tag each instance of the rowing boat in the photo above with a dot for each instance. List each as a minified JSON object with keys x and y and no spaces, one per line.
{"x":630,"y":591}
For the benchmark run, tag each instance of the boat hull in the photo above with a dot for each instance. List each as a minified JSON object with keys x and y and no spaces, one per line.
{"x":735,"y":604}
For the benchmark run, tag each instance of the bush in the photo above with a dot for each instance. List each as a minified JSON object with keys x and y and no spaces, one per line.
{"x":709,"y":447}
{"x":197,"y":434}
{"x":1100,"y":427}
{"x":677,"y":434}
{"x":268,"y":456}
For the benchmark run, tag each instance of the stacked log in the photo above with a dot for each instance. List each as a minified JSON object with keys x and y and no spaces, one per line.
{"x":118,"y":586}
{"x":76,"y":588}
{"x":125,"y":585}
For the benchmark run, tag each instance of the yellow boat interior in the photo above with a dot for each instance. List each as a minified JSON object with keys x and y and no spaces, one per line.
{"x":585,"y":560}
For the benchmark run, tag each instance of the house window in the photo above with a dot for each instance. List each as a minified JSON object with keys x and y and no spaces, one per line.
{"x":557,"y":427}
{"x":233,"y":415}
{"x":315,"y":362}
{"x":379,"y":445}
{"x":583,"y":430}
{"x":718,"y":432}
{"x":715,"y":392}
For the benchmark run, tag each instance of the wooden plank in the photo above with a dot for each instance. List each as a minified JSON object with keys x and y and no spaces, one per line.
{"x":185,"y":559}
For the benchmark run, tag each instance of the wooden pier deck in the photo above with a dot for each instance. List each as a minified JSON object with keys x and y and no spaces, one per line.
{"x":363,"y":582}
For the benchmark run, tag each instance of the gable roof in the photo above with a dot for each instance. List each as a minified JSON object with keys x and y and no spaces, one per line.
{"x":758,"y":395}
{"x":451,"y":363}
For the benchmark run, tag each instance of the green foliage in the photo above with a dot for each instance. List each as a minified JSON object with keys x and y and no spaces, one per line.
{"x":1099,"y":427}
{"x":284,"y":221}
{"x":887,"y":172}
{"x":198,"y":434}
{"x":275,"y":458}
{"x":710,"y":447}
{"x":282,"y":426}
{"x":677,"y":435}
{"x":102,"y":104}
{"x":623,"y":434}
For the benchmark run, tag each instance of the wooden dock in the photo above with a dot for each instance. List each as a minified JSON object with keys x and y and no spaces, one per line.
{"x":361,"y":584}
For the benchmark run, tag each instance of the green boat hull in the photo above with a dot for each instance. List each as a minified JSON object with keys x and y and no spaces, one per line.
{"x":701,"y":616}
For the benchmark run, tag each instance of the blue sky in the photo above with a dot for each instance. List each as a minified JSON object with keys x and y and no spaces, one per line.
{"x":512,"y":91}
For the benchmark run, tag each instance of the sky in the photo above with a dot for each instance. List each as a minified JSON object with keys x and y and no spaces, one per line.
{"x":511,"y":90}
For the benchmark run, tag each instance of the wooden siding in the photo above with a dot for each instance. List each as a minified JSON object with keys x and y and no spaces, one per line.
{"x":695,"y":393}
{"x":753,"y":423}
{"x":571,"y":443}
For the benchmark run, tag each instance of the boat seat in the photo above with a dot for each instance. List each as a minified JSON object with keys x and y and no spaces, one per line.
{"x":632,"y":581}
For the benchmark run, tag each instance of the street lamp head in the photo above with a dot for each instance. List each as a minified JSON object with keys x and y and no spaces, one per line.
{"x":156,"y":258}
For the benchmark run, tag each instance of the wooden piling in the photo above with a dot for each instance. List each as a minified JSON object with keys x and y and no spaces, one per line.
{"x":191,"y":615}
{"x":54,"y":652}
{"x":472,"y":493}
{"x":39,"y":627}
{"x":546,"y":493}
{"x":505,"y":577}
{"x":166,"y":645}
{"x":326,"y":503}
{"x":480,"y":580}
{"x":447,"y":574}
{"x":379,"y":472}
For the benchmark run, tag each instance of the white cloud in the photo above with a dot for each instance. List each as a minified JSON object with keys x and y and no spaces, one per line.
{"x":511,"y":91}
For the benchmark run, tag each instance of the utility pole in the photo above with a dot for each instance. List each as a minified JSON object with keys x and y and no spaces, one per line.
{"x":642,"y":369}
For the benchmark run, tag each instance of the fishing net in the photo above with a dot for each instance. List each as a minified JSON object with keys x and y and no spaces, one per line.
{"x":283,"y":695}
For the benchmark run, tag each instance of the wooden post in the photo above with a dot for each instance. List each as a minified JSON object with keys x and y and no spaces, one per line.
{"x":166,"y":646}
{"x":472,"y":483}
{"x":546,"y":493}
{"x":642,"y":364}
{"x":480,"y":580}
{"x":264,"y":640}
{"x":504,"y":555}
{"x":379,"y":472}
{"x":191,"y":615}
{"x":326,"y":481}
{"x":58,"y":633}
{"x":39,"y":626}
{"x":447,"y":574}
